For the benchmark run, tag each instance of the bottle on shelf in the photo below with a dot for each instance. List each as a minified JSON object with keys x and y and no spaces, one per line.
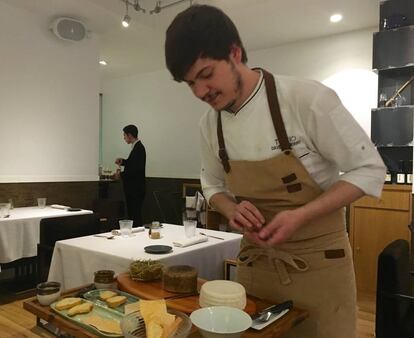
{"x":409,"y":172}
{"x":388,"y":177}
{"x":401,"y":173}
{"x":382,"y":100}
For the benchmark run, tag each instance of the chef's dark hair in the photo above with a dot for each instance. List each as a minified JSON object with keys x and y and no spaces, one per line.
{"x":199,"y":31}
{"x":131,"y":129}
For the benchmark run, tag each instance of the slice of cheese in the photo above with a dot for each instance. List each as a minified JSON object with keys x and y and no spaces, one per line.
{"x":169,"y":330}
{"x":105,"y":325}
{"x":79,"y":309}
{"x":131,"y":307}
{"x":104,"y":295}
{"x":158,"y":322}
{"x":67,"y":303}
{"x":154,"y":330}
{"x":113,"y":302}
{"x":149,"y":307}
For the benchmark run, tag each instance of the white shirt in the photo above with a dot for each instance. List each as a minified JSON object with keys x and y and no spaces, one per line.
{"x":133,"y":144}
{"x":323,"y":134}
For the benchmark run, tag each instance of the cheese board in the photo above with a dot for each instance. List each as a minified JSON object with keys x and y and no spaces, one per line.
{"x":179,"y":302}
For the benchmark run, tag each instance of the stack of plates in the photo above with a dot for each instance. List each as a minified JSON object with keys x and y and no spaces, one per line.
{"x":223,"y":292}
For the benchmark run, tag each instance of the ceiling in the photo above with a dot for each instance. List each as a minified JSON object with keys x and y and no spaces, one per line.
{"x":262,"y":24}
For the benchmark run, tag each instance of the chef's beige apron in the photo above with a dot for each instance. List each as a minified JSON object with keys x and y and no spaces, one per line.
{"x":313,"y":268}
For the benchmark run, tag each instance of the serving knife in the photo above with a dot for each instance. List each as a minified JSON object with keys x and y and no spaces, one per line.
{"x":274,"y":309}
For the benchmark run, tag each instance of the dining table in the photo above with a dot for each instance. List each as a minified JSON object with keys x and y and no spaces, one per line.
{"x":75,"y":260}
{"x":19,"y":232}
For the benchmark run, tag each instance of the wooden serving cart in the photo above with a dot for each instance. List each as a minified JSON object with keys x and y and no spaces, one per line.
{"x":185,"y":303}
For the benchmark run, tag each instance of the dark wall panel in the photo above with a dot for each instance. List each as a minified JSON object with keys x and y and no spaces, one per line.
{"x":75,"y":194}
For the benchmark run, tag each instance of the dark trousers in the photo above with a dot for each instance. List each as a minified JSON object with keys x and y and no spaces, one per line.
{"x":134,"y":207}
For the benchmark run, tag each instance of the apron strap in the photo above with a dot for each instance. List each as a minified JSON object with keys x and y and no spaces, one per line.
{"x":278,"y":258}
{"x":277,"y":119}
{"x":222,"y":147}
{"x":274,"y":107}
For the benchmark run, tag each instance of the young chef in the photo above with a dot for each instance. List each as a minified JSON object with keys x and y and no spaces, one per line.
{"x":272,"y":148}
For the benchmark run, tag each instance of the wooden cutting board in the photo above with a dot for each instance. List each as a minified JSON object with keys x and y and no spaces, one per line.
{"x":154,"y":290}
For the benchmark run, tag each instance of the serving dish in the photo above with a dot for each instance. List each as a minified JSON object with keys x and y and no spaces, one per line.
{"x":93,"y":296}
{"x":98,"y":310}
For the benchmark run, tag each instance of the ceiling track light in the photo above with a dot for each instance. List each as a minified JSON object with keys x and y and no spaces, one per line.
{"x":157,"y":9}
{"x":127,"y":19}
{"x":159,"y":6}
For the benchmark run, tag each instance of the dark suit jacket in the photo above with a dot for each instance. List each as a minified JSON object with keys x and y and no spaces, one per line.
{"x":133,"y":176}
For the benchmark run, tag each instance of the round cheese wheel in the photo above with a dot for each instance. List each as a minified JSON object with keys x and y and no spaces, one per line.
{"x":180,"y":279}
{"x":223,"y":292}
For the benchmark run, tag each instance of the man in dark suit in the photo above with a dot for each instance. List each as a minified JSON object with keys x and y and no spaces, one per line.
{"x":133,"y":176}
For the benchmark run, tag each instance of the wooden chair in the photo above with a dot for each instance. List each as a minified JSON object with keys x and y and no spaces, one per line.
{"x":60,"y":228}
{"x":395,"y":298}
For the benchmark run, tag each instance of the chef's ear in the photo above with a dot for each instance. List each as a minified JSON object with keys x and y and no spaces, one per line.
{"x":235,"y":53}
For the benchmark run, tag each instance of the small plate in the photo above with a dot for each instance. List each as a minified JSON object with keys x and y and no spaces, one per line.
{"x":158,"y":249}
{"x":74,"y":209}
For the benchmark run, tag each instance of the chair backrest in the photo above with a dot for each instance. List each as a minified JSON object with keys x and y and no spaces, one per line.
{"x":170,"y":206}
{"x":190,"y":189}
{"x":393,"y":279}
{"x":59,"y":228}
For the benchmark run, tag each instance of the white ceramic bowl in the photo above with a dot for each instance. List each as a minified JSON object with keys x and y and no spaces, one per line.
{"x":48,"y":292}
{"x":221,"y":321}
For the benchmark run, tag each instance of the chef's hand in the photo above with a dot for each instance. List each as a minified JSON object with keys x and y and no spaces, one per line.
{"x":246,"y":217}
{"x":118,"y":161}
{"x":281,"y":227}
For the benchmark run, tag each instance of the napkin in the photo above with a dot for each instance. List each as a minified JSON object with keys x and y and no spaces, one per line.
{"x":117,"y":232}
{"x":190,"y":241}
{"x":258,"y":325}
{"x":58,"y":206}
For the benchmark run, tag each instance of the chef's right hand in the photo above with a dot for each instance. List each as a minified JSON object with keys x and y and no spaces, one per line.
{"x":118,"y":161}
{"x":246,"y":216}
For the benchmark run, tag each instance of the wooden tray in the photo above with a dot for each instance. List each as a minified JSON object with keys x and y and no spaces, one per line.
{"x":274,"y":330}
{"x":179,"y":302}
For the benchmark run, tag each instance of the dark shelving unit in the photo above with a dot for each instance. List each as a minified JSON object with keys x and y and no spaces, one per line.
{"x":393,"y":60}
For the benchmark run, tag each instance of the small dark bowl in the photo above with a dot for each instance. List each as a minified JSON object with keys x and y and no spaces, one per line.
{"x":48,"y":292}
{"x":104,"y":276}
{"x":104,"y":279}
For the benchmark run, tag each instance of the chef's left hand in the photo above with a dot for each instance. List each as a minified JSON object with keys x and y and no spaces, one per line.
{"x":281,"y":227}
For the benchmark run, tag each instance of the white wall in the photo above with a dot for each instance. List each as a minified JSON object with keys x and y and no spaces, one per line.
{"x":342,"y":62}
{"x":49,"y":118}
{"x":168,"y":114}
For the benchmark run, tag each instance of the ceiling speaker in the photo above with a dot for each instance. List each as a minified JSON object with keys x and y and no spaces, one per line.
{"x":68,"y":29}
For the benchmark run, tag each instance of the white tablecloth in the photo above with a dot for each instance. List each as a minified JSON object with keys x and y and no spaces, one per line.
{"x":19,"y":233}
{"x":75,"y":260}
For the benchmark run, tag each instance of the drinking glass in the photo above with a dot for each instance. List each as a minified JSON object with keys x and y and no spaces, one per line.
{"x":125,"y":225}
{"x":4,"y":210}
{"x":190,"y":228}
{"x":41,"y":202}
